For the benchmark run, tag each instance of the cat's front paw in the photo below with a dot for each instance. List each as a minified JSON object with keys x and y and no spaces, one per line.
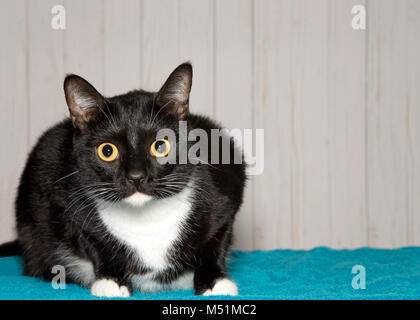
{"x":222,"y":287}
{"x":109,"y":288}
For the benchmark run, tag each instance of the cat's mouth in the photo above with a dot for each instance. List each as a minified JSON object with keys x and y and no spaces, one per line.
{"x":137,"y":199}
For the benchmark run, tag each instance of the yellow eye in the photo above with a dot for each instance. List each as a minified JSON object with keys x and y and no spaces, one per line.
{"x":107,"y":152}
{"x":160,"y":148}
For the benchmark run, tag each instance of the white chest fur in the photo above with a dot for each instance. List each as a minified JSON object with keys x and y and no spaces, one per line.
{"x":151,"y":229}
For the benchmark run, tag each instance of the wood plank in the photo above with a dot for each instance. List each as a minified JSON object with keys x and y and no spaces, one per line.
{"x":14,"y":107}
{"x":309,"y":113}
{"x":160,"y":45}
{"x":122,"y":56}
{"x":46,"y":69}
{"x":84,"y":41}
{"x":412,"y":120}
{"x":346,"y":102}
{"x":196,"y":45}
{"x":234,"y":90}
{"x":387,"y":135}
{"x":272,"y":189}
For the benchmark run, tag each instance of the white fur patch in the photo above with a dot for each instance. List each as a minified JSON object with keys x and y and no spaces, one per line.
{"x":81,"y":270}
{"x":149,"y":230}
{"x":137,"y":199}
{"x":109,"y":288}
{"x":145,"y":283}
{"x":84,"y":101}
{"x":222,"y":287}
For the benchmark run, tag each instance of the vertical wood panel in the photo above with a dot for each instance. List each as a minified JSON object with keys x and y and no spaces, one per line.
{"x":387,"y":133}
{"x":196,"y":44}
{"x":346,"y":102}
{"x":160,"y":41}
{"x":13,"y":110}
{"x":234,"y":90}
{"x":84,"y":40}
{"x":122,"y":56}
{"x":272,"y":189}
{"x":309,"y":102}
{"x":46,"y":69}
{"x":413,"y":120}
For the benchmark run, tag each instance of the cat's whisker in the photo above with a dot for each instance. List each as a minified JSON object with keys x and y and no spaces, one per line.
{"x":81,"y":193}
{"x":88,"y":194}
{"x":81,"y":206}
{"x":92,"y":185}
{"x":161,"y":108}
{"x":91,"y":202}
{"x":176,"y":187}
{"x":172,"y":179}
{"x":90,"y":213}
{"x":74,"y":190}
{"x":204,"y":162}
{"x":112,"y":123}
{"x":151,"y":112}
{"x":66,"y":176}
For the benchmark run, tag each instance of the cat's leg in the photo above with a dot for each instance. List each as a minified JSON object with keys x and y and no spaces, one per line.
{"x":80,"y":271}
{"x":210,"y":277}
{"x":111,"y":281}
{"x":105,"y":277}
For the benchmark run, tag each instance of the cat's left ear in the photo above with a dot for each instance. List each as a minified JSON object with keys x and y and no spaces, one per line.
{"x":84,"y":101}
{"x":174,"y":95}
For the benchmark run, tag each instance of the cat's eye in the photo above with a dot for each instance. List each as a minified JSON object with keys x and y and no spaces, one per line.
{"x":107,"y":151}
{"x":160,"y":148}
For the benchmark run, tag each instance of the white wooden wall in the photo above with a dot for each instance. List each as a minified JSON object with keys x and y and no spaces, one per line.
{"x":340,"y":107}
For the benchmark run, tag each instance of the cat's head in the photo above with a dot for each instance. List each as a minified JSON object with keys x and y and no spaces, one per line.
{"x":116,"y":146}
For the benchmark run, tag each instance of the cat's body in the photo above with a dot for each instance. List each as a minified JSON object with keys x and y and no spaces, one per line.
{"x":130,"y":223}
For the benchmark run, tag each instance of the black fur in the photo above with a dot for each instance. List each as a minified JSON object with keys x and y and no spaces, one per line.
{"x":55,"y":214}
{"x":10,"y":249}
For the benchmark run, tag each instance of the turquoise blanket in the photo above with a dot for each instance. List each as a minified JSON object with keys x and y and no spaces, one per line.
{"x":320,"y":273}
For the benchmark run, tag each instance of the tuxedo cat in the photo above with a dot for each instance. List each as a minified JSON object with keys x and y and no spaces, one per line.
{"x":96,"y":198}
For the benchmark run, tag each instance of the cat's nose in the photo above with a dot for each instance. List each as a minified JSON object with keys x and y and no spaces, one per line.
{"x":136,"y":178}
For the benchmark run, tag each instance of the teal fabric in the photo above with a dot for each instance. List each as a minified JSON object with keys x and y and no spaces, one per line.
{"x":320,"y":273}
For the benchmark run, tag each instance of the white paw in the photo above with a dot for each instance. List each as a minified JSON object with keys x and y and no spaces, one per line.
{"x":109,"y":288}
{"x":222,"y":287}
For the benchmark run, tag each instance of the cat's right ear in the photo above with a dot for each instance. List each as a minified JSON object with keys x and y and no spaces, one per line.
{"x":84,"y":101}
